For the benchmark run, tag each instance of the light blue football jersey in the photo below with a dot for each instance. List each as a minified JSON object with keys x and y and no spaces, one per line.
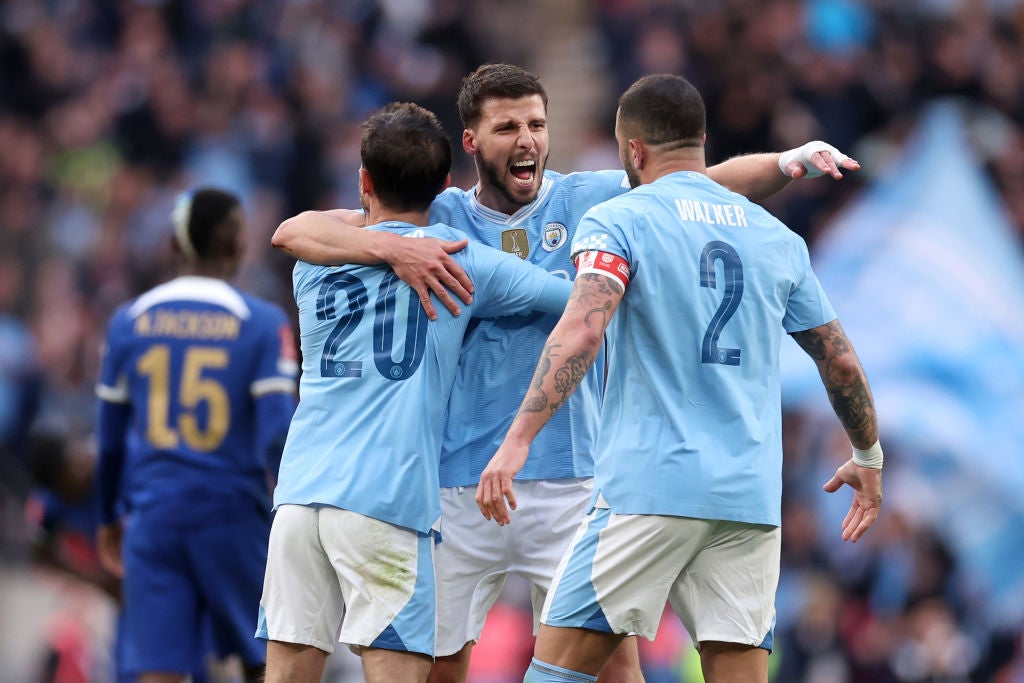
{"x":691,"y":422}
{"x":376,"y":375}
{"x":499,"y":355}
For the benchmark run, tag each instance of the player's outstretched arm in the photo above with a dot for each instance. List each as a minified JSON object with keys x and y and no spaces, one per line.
{"x":757,"y":176}
{"x":334,"y":237}
{"x":568,"y":354}
{"x":850,"y":395}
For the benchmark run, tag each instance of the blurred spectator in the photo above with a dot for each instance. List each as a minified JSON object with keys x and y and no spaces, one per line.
{"x":108,"y":110}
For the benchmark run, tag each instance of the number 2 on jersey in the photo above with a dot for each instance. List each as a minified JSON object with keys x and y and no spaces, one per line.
{"x":383,"y":327}
{"x":193,"y":390}
{"x":732,"y":293}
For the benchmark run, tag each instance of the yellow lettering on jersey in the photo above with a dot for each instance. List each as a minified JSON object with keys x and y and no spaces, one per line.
{"x":188,"y":325}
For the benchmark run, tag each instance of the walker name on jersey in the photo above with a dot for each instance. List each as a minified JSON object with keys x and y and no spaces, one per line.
{"x":188,"y":325}
{"x":715,"y":214}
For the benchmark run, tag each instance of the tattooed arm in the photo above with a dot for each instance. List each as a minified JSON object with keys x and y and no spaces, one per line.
{"x":844,"y":379}
{"x":848,"y":391}
{"x":567,"y":355}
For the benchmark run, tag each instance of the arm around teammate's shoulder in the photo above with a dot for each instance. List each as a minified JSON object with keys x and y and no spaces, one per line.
{"x":336,"y":237}
{"x":326,"y":237}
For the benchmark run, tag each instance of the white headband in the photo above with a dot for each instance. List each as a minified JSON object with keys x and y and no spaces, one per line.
{"x":181,"y":216}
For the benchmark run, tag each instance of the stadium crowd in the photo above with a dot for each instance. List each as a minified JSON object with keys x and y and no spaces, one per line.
{"x":109,"y":110}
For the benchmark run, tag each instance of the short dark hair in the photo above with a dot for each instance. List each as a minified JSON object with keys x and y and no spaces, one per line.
{"x":406,"y":153}
{"x":662,"y":109}
{"x":201,"y":214}
{"x":495,"y":80}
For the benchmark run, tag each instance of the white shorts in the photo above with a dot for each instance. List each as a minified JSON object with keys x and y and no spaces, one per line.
{"x":327,"y":566}
{"x":475,"y":556}
{"x":720,"y":577}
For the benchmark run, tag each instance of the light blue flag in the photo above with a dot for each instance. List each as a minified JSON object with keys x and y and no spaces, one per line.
{"x":927,"y":277}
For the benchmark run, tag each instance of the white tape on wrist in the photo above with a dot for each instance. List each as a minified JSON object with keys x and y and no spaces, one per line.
{"x":872,"y":457}
{"x":803,"y":154}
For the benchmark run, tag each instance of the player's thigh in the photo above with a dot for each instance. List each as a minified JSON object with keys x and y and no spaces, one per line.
{"x":158,"y":581}
{"x":302,"y":600}
{"x":619,"y":570}
{"x":547,"y":519}
{"x":471,"y":566}
{"x":727,"y":592}
{"x":386,"y":575}
{"x":230,"y":557}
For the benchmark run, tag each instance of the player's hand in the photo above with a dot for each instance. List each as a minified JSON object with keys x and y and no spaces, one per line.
{"x":866,"y":483}
{"x":108,"y":547}
{"x":426,"y":265}
{"x":814,"y":159}
{"x":496,"y":482}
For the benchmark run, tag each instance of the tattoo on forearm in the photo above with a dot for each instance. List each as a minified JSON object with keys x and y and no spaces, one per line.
{"x":536,"y":399}
{"x":855,"y":409}
{"x":568,"y":377}
{"x":543,"y":366}
{"x":535,"y":402}
{"x":845,"y":382}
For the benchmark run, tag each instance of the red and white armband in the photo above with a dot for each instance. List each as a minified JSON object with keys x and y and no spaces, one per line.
{"x":603,"y":263}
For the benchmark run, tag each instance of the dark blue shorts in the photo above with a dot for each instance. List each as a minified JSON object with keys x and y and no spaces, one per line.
{"x":177,"y":576}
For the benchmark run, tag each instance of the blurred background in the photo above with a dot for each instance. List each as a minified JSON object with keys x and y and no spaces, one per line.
{"x":109,"y":109}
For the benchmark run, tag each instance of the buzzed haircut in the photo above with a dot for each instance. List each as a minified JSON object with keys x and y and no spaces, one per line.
{"x":406,"y":153}
{"x":506,"y":81}
{"x":663,"y":109}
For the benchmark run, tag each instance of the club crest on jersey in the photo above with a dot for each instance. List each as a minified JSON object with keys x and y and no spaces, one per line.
{"x":554,"y":236}
{"x":516,"y":242}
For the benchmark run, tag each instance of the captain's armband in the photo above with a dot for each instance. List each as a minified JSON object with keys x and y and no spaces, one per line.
{"x":602,"y":263}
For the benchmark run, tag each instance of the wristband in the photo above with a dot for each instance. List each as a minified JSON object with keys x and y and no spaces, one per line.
{"x":872,"y":457}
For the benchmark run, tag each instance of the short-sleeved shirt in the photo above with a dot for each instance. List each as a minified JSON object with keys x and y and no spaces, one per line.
{"x":191,"y":357}
{"x":691,"y":421}
{"x":376,"y":376}
{"x":499,"y":355}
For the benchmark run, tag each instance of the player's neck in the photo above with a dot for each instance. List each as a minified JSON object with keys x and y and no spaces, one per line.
{"x":383,"y":214}
{"x":660,"y":166}
{"x":215,"y":271}
{"x":495,"y":200}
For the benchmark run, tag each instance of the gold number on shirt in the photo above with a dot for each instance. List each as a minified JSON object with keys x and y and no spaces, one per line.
{"x":193,"y":390}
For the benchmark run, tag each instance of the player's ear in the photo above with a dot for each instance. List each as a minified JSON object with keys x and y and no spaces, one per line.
{"x":468,"y":141}
{"x":636,"y":152}
{"x":365,"y":182}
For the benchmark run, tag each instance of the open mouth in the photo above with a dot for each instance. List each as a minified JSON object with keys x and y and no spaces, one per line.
{"x":523,"y":172}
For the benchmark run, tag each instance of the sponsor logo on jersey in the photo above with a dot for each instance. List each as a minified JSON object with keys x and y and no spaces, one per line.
{"x":516,"y":242}
{"x":555,"y":235}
